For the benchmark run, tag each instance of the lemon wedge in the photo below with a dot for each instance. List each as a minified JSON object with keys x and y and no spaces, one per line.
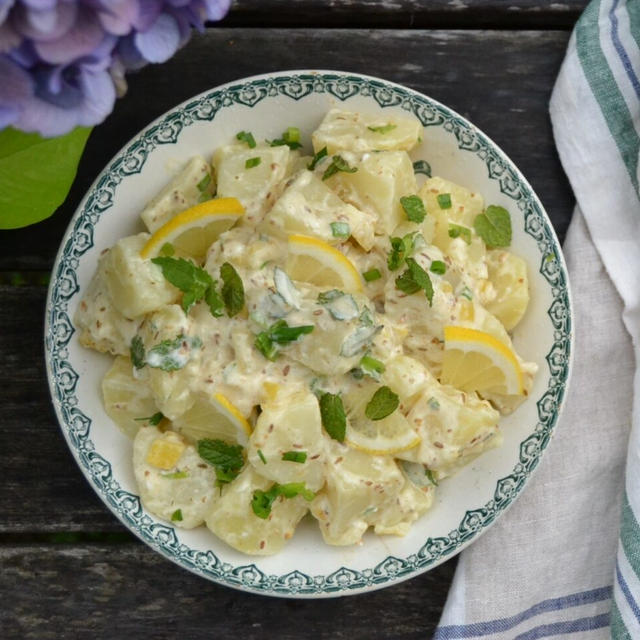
{"x":387,"y":436}
{"x":192,"y":231}
{"x":214,"y":417}
{"x":477,"y":361}
{"x":314,"y":261}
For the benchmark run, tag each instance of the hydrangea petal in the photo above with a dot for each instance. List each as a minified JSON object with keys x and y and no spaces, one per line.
{"x":85,"y":35}
{"x":100,"y":96}
{"x":148,"y":12}
{"x":119,"y":17}
{"x":9,"y":38}
{"x":16,"y":83}
{"x":8,"y":116}
{"x":5,"y":7}
{"x":160,"y":41}
{"x":46,"y":119}
{"x":216,"y":9}
{"x":46,"y":25}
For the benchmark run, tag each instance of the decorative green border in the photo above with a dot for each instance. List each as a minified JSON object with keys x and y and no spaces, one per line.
{"x":63,"y":378}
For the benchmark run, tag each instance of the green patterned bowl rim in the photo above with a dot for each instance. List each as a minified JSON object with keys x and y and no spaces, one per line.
{"x":79,"y":238}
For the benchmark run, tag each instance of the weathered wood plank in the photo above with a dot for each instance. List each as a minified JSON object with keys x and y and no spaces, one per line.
{"x":500,"y":80}
{"x":103,"y":591}
{"x":432,"y":14}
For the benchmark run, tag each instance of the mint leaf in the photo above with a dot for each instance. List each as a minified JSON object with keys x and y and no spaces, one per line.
{"x":137,"y":353}
{"x":327,"y":296}
{"x":232,"y":289}
{"x":414,"y":279}
{"x":444,"y":200}
{"x":334,"y":418}
{"x":457,"y":231}
{"x":401,"y":248}
{"x":171,"y":355}
{"x":371,"y":367}
{"x":227,"y":459}
{"x":383,"y":129}
{"x":246,"y":136}
{"x":295,"y":456}
{"x":262,"y":501}
{"x":193,"y":281}
{"x":337,"y":164}
{"x":382,"y":404}
{"x":414,"y":208}
{"x":214,"y":302}
{"x":494,"y":226}
{"x":317,"y":158}
{"x":36,"y":174}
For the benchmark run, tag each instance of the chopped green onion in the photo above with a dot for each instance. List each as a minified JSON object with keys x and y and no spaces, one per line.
{"x":337,"y":164}
{"x":252,"y":162}
{"x":246,"y":136}
{"x":437,"y":266}
{"x":295,"y":456}
{"x":261,"y":456}
{"x":316,"y":158}
{"x":176,"y":516}
{"x":444,"y":200}
{"x":340,"y":229}
{"x":371,"y":275}
{"x":153,"y":420}
{"x":204,"y":183}
{"x":457,"y":231}
{"x":383,"y":129}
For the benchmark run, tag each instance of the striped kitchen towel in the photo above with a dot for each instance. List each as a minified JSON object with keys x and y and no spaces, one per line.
{"x":565,"y":560}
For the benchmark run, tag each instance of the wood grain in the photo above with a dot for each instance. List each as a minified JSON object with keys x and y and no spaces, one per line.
{"x":398,"y":14}
{"x":104,"y":591}
{"x":500,"y":80}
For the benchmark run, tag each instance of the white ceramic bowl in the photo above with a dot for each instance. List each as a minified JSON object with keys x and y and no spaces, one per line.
{"x":467,"y":504}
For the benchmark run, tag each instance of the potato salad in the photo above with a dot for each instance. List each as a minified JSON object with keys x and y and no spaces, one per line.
{"x":323,"y":336}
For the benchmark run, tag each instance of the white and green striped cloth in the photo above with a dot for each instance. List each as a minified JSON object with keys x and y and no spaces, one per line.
{"x":564,"y":562}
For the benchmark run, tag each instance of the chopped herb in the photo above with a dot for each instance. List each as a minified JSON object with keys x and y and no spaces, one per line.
{"x":227,"y":459}
{"x":437,"y":266}
{"x":252,"y":162}
{"x":382,"y":404}
{"x":204,"y":196}
{"x":278,"y":333}
{"x":414,"y":279}
{"x":204,"y":183}
{"x":433,"y":404}
{"x":359,"y":340}
{"x":340,"y":229}
{"x":176,"y":516}
{"x":494,"y":226}
{"x":371,"y":275}
{"x":432,"y":478}
{"x":423,"y":167}
{"x":466,"y":293}
{"x":153,"y":420}
{"x":176,"y":475}
{"x":262,"y":501}
{"x":457,"y":231}
{"x":366,"y":318}
{"x":357,"y":373}
{"x":246,"y":136}
{"x":316,"y":158}
{"x":295,"y":456}
{"x":383,"y":129}
{"x":137,"y":352}
{"x":291,"y":138}
{"x":193,"y":281}
{"x":286,"y":289}
{"x":214,"y":302}
{"x":444,"y":200}
{"x":372,"y":367}
{"x":172,"y":355}
{"x":167,"y":249}
{"x":232,"y":289}
{"x":414,"y":208}
{"x":402,"y":248}
{"x":334,"y":418}
{"x":328,"y":296}
{"x":337,"y":164}
{"x":261,"y":456}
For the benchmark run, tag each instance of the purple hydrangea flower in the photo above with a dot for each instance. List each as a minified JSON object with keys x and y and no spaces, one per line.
{"x":63,"y":62}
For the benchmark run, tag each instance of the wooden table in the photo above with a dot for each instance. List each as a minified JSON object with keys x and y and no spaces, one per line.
{"x":68,"y":569}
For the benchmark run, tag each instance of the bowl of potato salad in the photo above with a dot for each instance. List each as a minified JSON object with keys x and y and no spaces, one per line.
{"x":309,"y":334}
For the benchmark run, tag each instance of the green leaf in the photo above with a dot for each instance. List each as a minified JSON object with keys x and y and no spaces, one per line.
{"x":246,"y":136}
{"x":383,"y":129}
{"x":334,"y":418}
{"x":414,"y":208}
{"x":316,"y":158}
{"x":227,"y":459}
{"x":401,"y":248}
{"x":172,"y":355}
{"x":444,"y":200}
{"x":414,"y":279}
{"x":371,"y":275}
{"x":295,"y":456}
{"x":262,"y":501}
{"x":192,"y":280}
{"x":382,"y":404}
{"x":214,"y":302}
{"x":137,"y":353}
{"x":337,"y":164}
{"x":458,"y":231}
{"x":232,"y":289}
{"x":36,"y":174}
{"x":494,"y":226}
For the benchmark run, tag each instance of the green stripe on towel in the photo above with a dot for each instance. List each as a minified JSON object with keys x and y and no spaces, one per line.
{"x":618,"y":629}
{"x":630,"y":535}
{"x":633,"y":11}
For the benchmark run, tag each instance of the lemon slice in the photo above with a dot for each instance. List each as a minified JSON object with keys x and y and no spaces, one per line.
{"x":376,"y":437}
{"x":192,"y":231}
{"x":314,"y":261}
{"x":214,"y":417}
{"x":477,"y":361}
